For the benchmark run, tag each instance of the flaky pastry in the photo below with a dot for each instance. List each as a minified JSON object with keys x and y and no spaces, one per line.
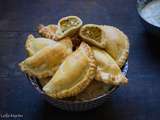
{"x":74,"y":74}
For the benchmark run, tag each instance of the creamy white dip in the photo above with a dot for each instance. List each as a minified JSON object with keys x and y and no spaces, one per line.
{"x":151,"y":12}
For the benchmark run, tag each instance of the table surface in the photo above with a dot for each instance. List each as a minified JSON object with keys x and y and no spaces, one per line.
{"x":139,"y":100}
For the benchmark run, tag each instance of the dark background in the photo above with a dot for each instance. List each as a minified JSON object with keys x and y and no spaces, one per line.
{"x":140,"y":100}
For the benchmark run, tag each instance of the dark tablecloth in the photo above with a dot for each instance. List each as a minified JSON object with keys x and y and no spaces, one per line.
{"x":139,"y":100}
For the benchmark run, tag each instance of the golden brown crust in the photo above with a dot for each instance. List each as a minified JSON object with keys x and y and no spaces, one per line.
{"x":120,"y":41}
{"x":28,"y":45}
{"x":48,"y":31}
{"x":124,"y":55}
{"x":84,"y":82}
{"x":33,"y":44}
{"x":112,"y":79}
{"x":107,"y":69}
{"x":45,"y":62}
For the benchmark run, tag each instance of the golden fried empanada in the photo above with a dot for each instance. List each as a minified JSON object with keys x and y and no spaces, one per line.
{"x":107,"y":69}
{"x":35,"y":44}
{"x":68,"y":26}
{"x":114,"y":41}
{"x":46,"y":61}
{"x":48,"y":31}
{"x":74,"y":74}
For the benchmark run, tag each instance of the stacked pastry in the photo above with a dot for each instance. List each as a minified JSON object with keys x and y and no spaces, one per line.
{"x":75,"y":60}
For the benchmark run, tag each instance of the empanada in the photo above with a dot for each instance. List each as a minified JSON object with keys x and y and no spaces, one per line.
{"x":35,"y":44}
{"x":74,"y":74}
{"x":48,"y":31}
{"x":94,"y":90}
{"x":107,"y":69}
{"x":114,"y":41}
{"x":46,"y":61}
{"x":68,"y":26}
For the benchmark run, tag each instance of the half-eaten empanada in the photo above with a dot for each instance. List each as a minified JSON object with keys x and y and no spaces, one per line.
{"x":68,"y":26}
{"x":46,"y":61}
{"x":114,"y":41}
{"x":35,"y":44}
{"x":107,"y":69}
{"x":73,"y":75}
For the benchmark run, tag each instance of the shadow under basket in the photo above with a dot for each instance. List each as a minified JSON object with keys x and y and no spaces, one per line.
{"x":76,"y":105}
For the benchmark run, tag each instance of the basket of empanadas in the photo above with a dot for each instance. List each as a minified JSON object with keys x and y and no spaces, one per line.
{"x":76,"y":66}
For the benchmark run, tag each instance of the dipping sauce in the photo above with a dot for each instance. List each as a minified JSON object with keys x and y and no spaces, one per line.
{"x":151,"y":12}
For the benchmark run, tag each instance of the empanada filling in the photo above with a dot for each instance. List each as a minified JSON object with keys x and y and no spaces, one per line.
{"x":69,"y":23}
{"x":92,"y":32}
